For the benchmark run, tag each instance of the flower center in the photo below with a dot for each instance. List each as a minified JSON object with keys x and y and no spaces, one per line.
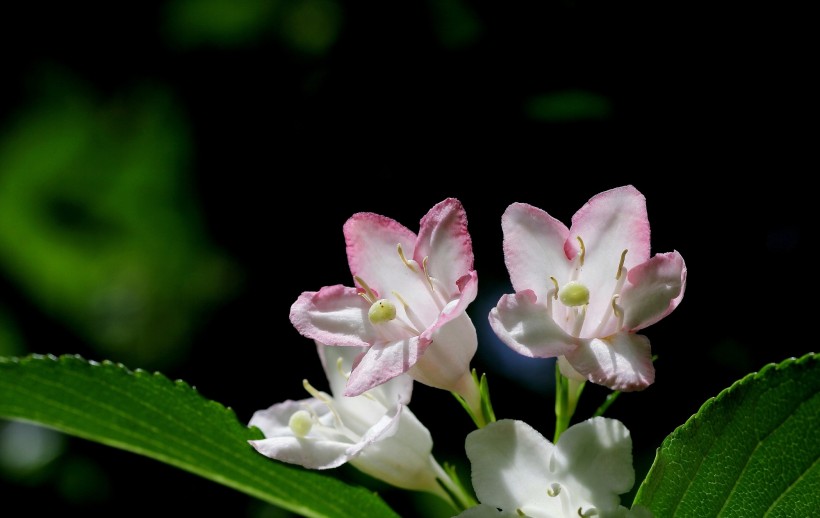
{"x":575,"y":295}
{"x":384,"y":311}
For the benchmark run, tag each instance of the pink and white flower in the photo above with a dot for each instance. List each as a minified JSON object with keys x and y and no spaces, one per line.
{"x":582,"y":293}
{"x":408,"y":304}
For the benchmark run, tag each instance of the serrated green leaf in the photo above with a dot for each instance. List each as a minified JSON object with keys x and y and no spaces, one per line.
{"x":171,"y":422}
{"x":751,"y":451}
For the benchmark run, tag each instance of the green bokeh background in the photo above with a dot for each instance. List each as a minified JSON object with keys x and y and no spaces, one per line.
{"x":173,"y":174}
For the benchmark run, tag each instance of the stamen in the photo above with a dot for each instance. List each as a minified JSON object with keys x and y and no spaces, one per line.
{"x":318,"y":394}
{"x":411,"y":315}
{"x":621,"y":265}
{"x":324,"y":398}
{"x":554,"y":489}
{"x":618,"y":311}
{"x":583,"y":249}
{"x":412,"y":265}
{"x":555,"y":293}
{"x":589,"y":512}
{"x":427,"y":274}
{"x":300,"y":423}
{"x":340,"y":370}
{"x":368,"y":294}
{"x":579,"y":321}
{"x":519,"y":512}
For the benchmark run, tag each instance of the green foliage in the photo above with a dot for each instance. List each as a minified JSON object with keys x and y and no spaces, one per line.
{"x":568,"y":106}
{"x":751,"y":451}
{"x":97,"y":221}
{"x":169,"y":421}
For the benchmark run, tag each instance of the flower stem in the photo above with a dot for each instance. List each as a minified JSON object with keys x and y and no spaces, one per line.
{"x":474,"y":396}
{"x":458,"y":496}
{"x":567,"y":393}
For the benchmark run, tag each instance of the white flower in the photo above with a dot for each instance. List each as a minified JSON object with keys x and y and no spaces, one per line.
{"x":375,"y":431}
{"x":517,"y":472}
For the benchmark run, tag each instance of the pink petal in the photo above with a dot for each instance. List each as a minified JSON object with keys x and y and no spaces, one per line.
{"x":654,"y":290}
{"x":381,"y":363}
{"x":533,"y":248}
{"x":622,"y":361}
{"x":444,"y":239}
{"x":524,"y":325}
{"x":335,"y":315}
{"x":609,"y":223}
{"x":371,"y":240}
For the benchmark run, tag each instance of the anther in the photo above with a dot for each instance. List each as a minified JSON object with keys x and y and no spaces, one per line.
{"x":368,"y":294}
{"x":583,"y":250}
{"x":621,"y":265}
{"x":410,"y":264}
{"x":555,"y":282}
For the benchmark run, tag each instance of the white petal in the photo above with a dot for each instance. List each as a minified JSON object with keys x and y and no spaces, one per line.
{"x":447,"y":358}
{"x":510,"y":465}
{"x":402,"y":459}
{"x":594,"y":460}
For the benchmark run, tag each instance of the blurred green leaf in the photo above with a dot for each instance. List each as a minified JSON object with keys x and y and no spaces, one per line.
{"x":98,"y":223}
{"x":311,"y":26}
{"x":569,"y":105}
{"x":754,"y":450}
{"x":222,"y":23}
{"x":455,"y":23}
{"x":169,"y":421}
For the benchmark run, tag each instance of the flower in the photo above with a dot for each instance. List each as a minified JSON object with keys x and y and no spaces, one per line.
{"x":408,"y":306}
{"x":515,"y":469}
{"x":375,"y":432}
{"x":582,"y":293}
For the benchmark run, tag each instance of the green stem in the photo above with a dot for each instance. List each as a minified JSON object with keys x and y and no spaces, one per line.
{"x":567,"y":393}
{"x":460,"y":498}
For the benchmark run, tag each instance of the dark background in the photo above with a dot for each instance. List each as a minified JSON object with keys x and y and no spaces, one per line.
{"x":202,"y":158}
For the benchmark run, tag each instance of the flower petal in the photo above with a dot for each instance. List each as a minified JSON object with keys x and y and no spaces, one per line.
{"x":609,"y":223}
{"x":447,"y":357}
{"x":525,"y":326}
{"x":622,"y":361}
{"x":533,"y":248}
{"x":594,"y":459}
{"x":401,"y":458}
{"x":382,"y":362}
{"x":509,"y":465}
{"x":318,"y":450}
{"x":373,"y":256}
{"x":334,"y":315}
{"x":654,"y":290}
{"x":444,"y":239}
